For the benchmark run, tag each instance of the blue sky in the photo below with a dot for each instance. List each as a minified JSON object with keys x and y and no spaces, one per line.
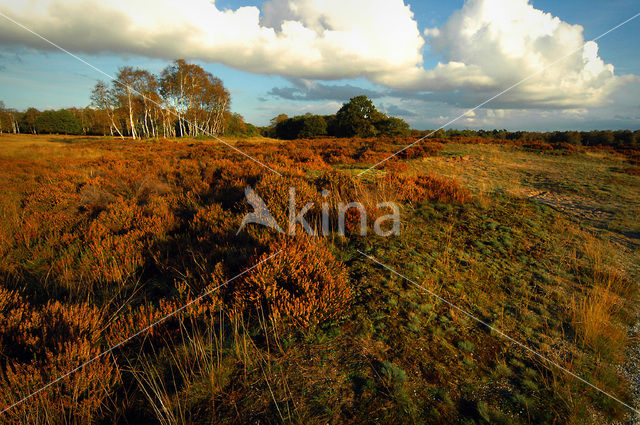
{"x":31,"y":75}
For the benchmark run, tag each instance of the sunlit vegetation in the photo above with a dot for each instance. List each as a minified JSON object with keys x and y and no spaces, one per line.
{"x":184,"y":100}
{"x":358,"y":117}
{"x":100,"y":238}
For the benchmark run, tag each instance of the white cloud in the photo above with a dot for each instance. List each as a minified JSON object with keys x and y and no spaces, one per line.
{"x":328,"y":39}
{"x":485,"y":47}
{"x":489,"y":45}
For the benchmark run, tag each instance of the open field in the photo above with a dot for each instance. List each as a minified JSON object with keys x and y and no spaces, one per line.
{"x":593,"y":185}
{"x":101,"y":237}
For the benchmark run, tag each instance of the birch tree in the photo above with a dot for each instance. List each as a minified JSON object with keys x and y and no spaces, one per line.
{"x":104,"y":100}
{"x":123,"y":88}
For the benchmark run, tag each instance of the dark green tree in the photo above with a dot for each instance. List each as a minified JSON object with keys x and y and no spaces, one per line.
{"x":357,"y":118}
{"x":62,"y":121}
{"x":301,"y":127}
{"x":623,"y":138}
{"x":237,"y":127}
{"x":28,"y":122}
{"x":393,"y":126}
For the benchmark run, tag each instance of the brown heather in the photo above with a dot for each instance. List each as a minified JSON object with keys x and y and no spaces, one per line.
{"x":39,"y":345}
{"x":101,"y":238}
{"x":305,"y":283}
{"x":422,"y":188}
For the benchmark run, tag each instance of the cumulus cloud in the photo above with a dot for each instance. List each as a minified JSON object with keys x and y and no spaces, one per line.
{"x":489,"y":45}
{"x":622,"y":113}
{"x":329,"y":39}
{"x":484,"y":47}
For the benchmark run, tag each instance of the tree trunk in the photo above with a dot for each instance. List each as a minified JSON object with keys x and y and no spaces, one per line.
{"x":133,"y":127}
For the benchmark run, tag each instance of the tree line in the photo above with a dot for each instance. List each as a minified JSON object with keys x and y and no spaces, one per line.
{"x":360,"y":118}
{"x":184,"y":100}
{"x":356,"y":118}
{"x":613,"y":138}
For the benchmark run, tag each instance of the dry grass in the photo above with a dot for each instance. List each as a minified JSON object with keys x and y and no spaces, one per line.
{"x":593,"y":317}
{"x":607,"y":292}
{"x":39,"y":147}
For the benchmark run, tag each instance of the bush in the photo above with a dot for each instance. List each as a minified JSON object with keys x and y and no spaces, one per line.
{"x":274,"y":190}
{"x":304,"y":283}
{"x":422,"y":149}
{"x":424,"y":188}
{"x":40,"y":343}
{"x":538,"y":146}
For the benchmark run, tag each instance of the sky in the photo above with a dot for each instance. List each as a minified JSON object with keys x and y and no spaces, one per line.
{"x":427,"y":61}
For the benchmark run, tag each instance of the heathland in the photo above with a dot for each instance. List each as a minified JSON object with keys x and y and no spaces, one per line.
{"x":102,"y":237}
